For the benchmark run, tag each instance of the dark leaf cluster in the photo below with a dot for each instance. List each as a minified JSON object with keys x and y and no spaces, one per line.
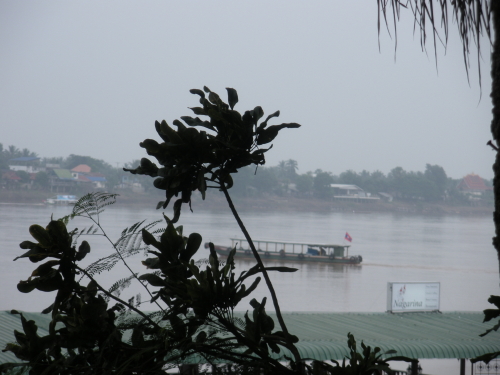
{"x":189,"y":159}
{"x":367,"y":362}
{"x":83,"y":335}
{"x":201,"y":301}
{"x":490,"y":314}
{"x":87,"y":336}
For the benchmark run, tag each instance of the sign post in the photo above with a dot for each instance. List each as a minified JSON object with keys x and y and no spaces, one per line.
{"x":413,"y":296}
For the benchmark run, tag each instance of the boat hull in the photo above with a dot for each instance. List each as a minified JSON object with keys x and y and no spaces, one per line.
{"x":287,"y":256}
{"x":63,"y":200}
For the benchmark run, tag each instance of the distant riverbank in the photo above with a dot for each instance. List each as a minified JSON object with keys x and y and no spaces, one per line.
{"x":216,"y":201}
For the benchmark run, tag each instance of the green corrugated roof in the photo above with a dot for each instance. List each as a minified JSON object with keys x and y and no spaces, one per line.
{"x":63,"y":173}
{"x":323,"y":336}
{"x":10,"y":322}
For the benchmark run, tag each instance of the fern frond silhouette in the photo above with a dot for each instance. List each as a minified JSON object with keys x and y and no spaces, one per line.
{"x":93,"y":204}
{"x":130,"y":243}
{"x":118,"y":287}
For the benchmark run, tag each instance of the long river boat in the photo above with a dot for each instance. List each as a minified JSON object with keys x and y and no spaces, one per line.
{"x":291,"y":251}
{"x":62,"y":200}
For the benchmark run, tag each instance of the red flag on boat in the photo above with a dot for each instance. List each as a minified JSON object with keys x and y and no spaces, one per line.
{"x":347,"y":237}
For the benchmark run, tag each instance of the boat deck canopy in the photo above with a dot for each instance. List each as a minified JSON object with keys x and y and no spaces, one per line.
{"x":311,"y":244}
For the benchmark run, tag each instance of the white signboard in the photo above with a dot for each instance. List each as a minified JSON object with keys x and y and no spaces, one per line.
{"x":413,"y":296}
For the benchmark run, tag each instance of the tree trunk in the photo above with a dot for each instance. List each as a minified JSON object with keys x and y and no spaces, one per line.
{"x":495,"y":123}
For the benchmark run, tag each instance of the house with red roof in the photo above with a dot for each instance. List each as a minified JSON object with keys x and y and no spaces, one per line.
{"x":10,"y":180}
{"x":82,"y":168}
{"x":66,"y":180}
{"x":83,"y":174}
{"x":474,"y":184}
{"x":474,"y":187}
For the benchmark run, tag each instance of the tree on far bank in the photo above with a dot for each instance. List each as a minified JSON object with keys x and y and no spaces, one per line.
{"x":305,"y":183}
{"x":322,"y":182}
{"x":57,"y":160}
{"x":282,"y":167}
{"x":42,"y":180}
{"x":377,"y":183}
{"x":350,"y":177}
{"x":3,"y":159}
{"x":439,"y":181}
{"x":292,"y":168}
{"x":12,"y":152}
{"x":25,"y":177}
{"x":96,"y":165}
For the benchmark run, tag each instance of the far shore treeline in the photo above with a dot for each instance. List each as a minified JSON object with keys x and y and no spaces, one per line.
{"x":431,"y":185}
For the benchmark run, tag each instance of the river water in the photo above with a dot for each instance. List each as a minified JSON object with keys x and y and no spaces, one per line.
{"x":453,"y":250}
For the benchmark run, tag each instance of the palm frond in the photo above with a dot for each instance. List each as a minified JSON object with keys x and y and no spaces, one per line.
{"x":472,"y":17}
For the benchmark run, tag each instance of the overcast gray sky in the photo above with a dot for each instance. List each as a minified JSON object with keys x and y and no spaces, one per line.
{"x":90,"y":78}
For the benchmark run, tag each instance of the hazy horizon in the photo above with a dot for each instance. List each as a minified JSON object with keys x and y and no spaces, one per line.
{"x":91,"y":78}
{"x":267,"y":165}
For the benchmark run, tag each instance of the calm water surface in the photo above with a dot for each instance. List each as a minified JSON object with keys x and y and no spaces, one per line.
{"x":454,"y":250}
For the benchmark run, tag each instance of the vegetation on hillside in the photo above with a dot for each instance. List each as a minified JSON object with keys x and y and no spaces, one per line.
{"x":432,"y":185}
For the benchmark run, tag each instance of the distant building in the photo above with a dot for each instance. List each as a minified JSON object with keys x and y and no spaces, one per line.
{"x":473,"y":187}
{"x":29,"y":164}
{"x":130,"y":182}
{"x":386,"y":197}
{"x":65,"y":180}
{"x":10,"y":180}
{"x":83,"y":173}
{"x":97,"y":179}
{"x":82,"y":168}
{"x":61,"y":181}
{"x":473,"y":184}
{"x":351,"y":192}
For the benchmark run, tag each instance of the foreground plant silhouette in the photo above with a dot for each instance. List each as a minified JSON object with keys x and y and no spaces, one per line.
{"x":192,"y":159}
{"x":195,"y":320}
